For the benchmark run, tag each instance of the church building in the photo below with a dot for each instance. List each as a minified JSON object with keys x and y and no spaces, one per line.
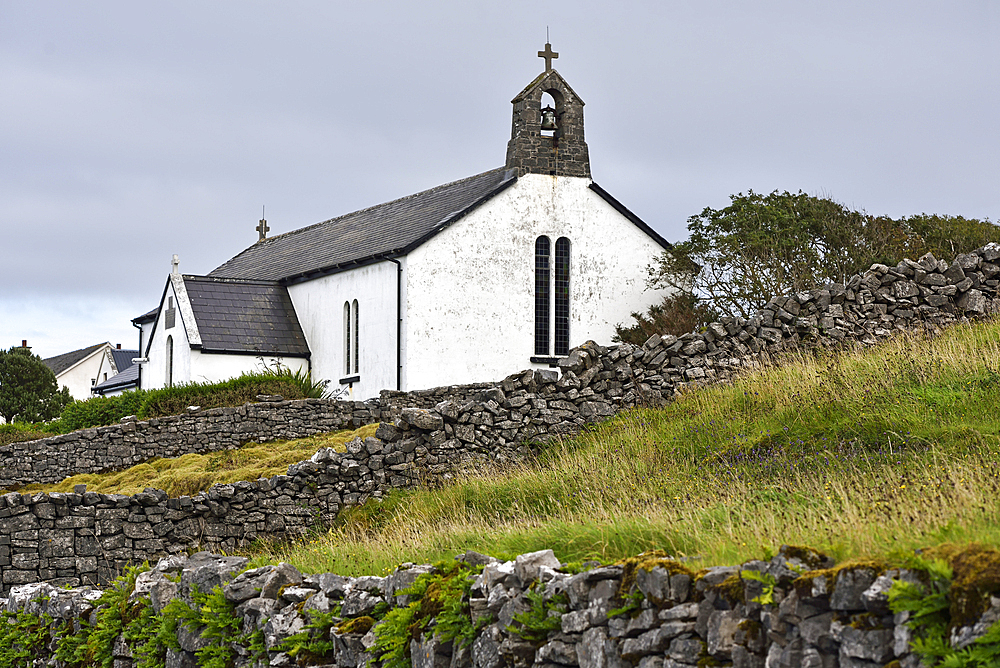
{"x":467,"y":282}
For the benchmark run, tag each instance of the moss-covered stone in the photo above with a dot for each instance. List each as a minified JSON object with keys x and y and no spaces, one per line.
{"x":646,"y":561}
{"x":813,"y":559}
{"x":358,"y":625}
{"x":731,"y":589}
{"x":976,"y":577}
{"x":804,"y":583}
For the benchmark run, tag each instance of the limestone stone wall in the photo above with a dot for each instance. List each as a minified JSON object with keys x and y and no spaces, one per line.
{"x":791,"y":611}
{"x":124,"y":445}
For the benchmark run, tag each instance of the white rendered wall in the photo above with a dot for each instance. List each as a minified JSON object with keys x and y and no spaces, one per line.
{"x":319,"y":305}
{"x":470,"y":289}
{"x":78,"y":378}
{"x":106,"y":369}
{"x":154,"y":372}
{"x":214,"y":367}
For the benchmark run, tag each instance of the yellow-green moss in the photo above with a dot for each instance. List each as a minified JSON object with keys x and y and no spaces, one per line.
{"x":358,"y":625}
{"x":731,"y":589}
{"x":647,"y":561}
{"x":803,"y":584}
{"x":976,"y":577}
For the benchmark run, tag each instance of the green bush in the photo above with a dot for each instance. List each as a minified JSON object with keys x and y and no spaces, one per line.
{"x":233,"y":392}
{"x":100,"y":411}
{"x":145,"y":404}
{"x":17,"y":432}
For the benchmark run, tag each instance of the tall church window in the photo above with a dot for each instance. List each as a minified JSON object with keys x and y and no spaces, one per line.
{"x":356,"y":336}
{"x":562,"y":296}
{"x":347,"y":337}
{"x":542,"y":295}
{"x":170,"y":361}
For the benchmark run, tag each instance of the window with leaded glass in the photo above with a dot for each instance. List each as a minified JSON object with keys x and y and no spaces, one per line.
{"x":562,"y":296}
{"x":542,"y":295}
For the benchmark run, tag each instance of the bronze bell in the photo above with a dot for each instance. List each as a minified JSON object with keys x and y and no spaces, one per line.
{"x":549,"y":119}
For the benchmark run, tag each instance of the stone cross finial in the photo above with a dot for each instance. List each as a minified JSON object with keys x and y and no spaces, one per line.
{"x":174,"y":263}
{"x":263,"y":229}
{"x":548,"y":54}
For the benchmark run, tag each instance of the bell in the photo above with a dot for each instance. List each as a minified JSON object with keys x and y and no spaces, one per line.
{"x":549,"y":119}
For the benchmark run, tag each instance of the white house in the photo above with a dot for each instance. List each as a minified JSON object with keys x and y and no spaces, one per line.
{"x":81,"y":370}
{"x":466,"y":282}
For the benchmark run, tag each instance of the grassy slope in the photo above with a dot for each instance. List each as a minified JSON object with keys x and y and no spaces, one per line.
{"x":859,"y":454}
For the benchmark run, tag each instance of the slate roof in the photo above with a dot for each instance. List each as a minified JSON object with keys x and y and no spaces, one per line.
{"x":123,"y":358}
{"x":393,"y":228}
{"x":60,"y":363}
{"x":239,"y":316}
{"x":149,"y":316}
{"x":124,"y":379}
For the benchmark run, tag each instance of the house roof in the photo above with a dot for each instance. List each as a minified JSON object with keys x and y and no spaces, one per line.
{"x":250,"y":317}
{"x":127,"y":378}
{"x":60,"y":363}
{"x":149,"y":316}
{"x":123,"y":358}
{"x":389,"y":229}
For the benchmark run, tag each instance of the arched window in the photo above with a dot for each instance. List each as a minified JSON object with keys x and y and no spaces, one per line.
{"x":562,"y":296}
{"x":356,"y":336}
{"x":542,"y":295}
{"x":170,"y":361}
{"x":347,"y":338}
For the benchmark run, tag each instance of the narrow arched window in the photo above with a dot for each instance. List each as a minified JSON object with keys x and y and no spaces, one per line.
{"x":170,"y":361}
{"x":357,"y":336}
{"x":542,"y":295}
{"x":347,"y":338}
{"x":562,"y":296}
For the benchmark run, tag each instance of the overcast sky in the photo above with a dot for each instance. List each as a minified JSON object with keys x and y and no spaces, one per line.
{"x":132,"y":131}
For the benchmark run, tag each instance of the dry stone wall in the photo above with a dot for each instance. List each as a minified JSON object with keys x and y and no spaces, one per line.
{"x":649,"y":612}
{"x":87,"y":537}
{"x":132,"y":442}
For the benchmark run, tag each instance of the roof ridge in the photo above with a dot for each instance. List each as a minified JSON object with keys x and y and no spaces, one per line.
{"x":227,"y":279}
{"x":87,"y":349}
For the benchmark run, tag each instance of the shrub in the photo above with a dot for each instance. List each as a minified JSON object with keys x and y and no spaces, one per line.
{"x":100,"y":411}
{"x":677,"y":314}
{"x":17,"y":432}
{"x":233,"y":392}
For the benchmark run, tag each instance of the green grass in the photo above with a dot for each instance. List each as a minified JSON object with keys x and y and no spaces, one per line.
{"x":860,"y":454}
{"x":193,"y":473}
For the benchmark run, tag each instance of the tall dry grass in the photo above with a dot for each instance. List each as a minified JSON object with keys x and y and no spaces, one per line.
{"x":859,"y":454}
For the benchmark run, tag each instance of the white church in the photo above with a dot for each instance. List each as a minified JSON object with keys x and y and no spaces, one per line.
{"x":466,"y":282}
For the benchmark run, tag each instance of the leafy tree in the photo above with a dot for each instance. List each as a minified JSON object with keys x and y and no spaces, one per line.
{"x":28,"y":389}
{"x":677,"y":314}
{"x":765,"y":245}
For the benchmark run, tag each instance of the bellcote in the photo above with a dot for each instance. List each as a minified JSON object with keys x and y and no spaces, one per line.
{"x":552,"y":145}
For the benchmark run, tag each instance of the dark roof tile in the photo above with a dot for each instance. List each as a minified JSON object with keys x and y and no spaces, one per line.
{"x":60,"y":363}
{"x":245,"y":316}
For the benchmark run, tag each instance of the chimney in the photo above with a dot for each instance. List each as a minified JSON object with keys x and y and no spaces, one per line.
{"x":24,"y":343}
{"x":118,"y":346}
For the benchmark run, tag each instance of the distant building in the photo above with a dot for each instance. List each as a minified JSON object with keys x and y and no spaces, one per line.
{"x":82,"y":370}
{"x":465,"y":282}
{"x":127,"y":377}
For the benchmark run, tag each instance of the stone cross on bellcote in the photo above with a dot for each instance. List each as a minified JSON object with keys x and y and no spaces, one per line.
{"x":549,"y":55}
